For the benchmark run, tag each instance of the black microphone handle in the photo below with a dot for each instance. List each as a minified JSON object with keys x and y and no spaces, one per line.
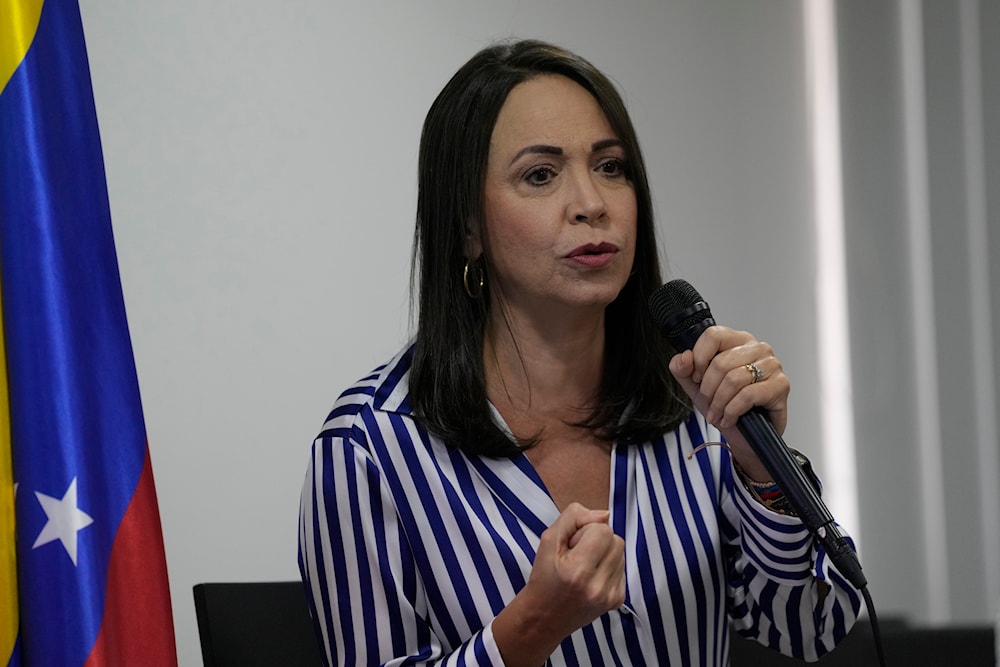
{"x":763,"y":438}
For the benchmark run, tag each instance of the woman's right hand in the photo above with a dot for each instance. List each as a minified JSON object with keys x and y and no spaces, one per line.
{"x":578,"y":575}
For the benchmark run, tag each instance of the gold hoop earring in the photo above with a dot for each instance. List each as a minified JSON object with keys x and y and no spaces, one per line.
{"x":465,"y":280}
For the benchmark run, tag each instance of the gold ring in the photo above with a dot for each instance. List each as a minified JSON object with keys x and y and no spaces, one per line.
{"x":755,"y":373}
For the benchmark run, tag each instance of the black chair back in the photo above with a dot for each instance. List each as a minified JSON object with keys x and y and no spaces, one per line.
{"x":255,"y":623}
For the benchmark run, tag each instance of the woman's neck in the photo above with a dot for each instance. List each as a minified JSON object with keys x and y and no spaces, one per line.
{"x":550,"y":371}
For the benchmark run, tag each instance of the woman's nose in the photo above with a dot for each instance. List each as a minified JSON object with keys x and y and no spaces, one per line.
{"x":586,"y":204}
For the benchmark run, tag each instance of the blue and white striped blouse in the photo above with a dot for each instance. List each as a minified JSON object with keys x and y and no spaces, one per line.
{"x":409,"y":549}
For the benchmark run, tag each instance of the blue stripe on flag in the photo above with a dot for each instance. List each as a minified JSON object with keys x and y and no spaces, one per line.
{"x":75,"y":409}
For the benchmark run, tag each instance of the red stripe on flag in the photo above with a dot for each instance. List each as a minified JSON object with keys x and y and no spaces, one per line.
{"x":138,"y":625}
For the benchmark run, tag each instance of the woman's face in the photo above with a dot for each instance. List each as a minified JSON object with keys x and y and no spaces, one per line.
{"x":560,"y":215}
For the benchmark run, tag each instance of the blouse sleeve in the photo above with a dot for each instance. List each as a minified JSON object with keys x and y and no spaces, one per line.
{"x":783,"y":589}
{"x":367,"y":603}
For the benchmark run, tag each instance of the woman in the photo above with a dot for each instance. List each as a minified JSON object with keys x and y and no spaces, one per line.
{"x":528,"y":482}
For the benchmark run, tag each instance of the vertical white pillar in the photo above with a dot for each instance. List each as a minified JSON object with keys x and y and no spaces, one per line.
{"x":837,"y":414}
{"x":982,"y":380}
{"x":924,"y":362}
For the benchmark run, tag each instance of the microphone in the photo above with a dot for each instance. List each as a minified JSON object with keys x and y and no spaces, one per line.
{"x":682,"y":315}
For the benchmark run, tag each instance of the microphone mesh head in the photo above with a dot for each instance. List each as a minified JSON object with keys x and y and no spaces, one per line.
{"x":671,"y":307}
{"x":670,"y":299}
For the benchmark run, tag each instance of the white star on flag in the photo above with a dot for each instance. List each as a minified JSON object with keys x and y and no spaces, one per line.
{"x":65,"y":520}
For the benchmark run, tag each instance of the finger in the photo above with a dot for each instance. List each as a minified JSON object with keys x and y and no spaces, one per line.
{"x":714,"y":341}
{"x":737,"y":356}
{"x":736,"y":367}
{"x":724,"y":384}
{"x":681,"y":367}
{"x":570,"y":521}
{"x":598,"y":561}
{"x":612,"y":570}
{"x":595,"y":538}
{"x":770,"y":393}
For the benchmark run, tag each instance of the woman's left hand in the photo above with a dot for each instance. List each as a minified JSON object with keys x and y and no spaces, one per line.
{"x":727,"y":373}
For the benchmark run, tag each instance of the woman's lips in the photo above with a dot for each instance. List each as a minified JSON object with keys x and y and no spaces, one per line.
{"x":594,"y":255}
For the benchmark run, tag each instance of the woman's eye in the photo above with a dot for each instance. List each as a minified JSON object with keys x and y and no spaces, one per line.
{"x":614,"y":167}
{"x":539,"y":176}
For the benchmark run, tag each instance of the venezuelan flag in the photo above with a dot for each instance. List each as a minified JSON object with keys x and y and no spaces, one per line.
{"x":83,"y":577}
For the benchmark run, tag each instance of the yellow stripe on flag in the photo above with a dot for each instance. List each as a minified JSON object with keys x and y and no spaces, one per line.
{"x":18,"y":23}
{"x":8,"y":553}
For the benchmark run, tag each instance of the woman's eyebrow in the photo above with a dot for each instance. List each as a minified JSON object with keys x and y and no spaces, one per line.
{"x":555,"y":150}
{"x":605,"y":143}
{"x":537,"y":148}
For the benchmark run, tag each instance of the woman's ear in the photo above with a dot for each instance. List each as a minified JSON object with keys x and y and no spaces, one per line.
{"x":473,"y":245}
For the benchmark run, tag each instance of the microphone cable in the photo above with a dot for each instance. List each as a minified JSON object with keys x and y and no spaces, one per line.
{"x":873,"y":621}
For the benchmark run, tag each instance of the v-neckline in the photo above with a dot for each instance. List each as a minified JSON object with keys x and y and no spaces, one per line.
{"x":519,"y":487}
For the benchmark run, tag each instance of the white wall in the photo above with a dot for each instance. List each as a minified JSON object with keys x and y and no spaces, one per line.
{"x":920,"y":165}
{"x":261,"y":163}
